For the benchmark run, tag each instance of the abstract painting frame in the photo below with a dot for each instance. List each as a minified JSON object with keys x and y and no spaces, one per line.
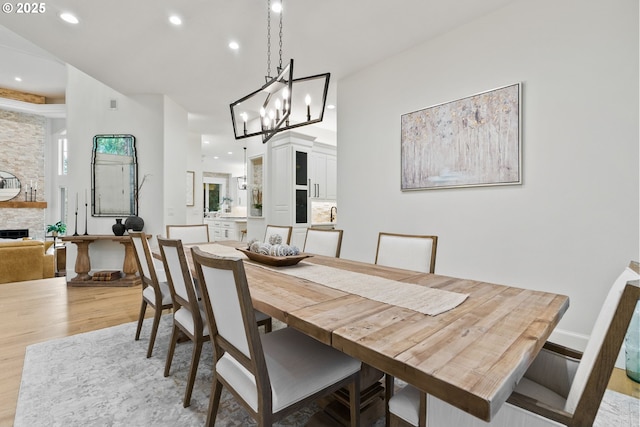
{"x":472,"y":141}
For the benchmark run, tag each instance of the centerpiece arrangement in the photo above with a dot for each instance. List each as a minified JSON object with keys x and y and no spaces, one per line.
{"x":273,"y":252}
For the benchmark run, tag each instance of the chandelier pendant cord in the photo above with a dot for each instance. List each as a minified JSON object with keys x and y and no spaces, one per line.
{"x":280,"y":36}
{"x":268,"y":77}
{"x":268,"y":41}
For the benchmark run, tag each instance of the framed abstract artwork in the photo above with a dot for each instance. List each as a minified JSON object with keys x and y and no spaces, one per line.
{"x":473,"y":141}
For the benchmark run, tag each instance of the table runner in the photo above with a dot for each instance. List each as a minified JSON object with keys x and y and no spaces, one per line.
{"x":407,"y":295}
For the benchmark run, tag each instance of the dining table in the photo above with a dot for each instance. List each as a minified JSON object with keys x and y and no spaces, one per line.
{"x":464,"y":341}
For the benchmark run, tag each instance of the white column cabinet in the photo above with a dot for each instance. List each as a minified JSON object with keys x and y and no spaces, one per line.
{"x":290,"y":183}
{"x":300,"y":171}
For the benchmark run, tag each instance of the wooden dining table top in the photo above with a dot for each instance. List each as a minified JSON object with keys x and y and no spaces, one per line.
{"x":471,"y":356}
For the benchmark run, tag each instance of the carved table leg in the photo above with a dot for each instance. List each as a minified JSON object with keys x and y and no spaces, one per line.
{"x":129,"y":265}
{"x":83,"y":262}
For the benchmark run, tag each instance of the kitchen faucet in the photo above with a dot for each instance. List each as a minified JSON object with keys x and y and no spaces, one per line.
{"x":332,"y":217}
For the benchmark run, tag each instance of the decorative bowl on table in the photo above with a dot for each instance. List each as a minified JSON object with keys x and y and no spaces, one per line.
{"x":274,"y":260}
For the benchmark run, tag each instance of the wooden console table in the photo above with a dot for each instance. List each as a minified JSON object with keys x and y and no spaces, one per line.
{"x":83,"y":261}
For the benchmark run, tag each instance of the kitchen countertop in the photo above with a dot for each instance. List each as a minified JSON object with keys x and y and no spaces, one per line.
{"x":228,"y":218}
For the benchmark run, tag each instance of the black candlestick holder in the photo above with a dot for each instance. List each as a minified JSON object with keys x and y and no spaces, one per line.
{"x":86,"y":233}
{"x":76,"y":229}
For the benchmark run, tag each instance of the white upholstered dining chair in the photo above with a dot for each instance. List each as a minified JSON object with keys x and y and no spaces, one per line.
{"x":192,"y":233}
{"x":188,"y":316}
{"x":155,"y":290}
{"x":411,"y":252}
{"x":321,"y":241}
{"x":270,"y":375}
{"x":282,"y":230}
{"x":561,"y":387}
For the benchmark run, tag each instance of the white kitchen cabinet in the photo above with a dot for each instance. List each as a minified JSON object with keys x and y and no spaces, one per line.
{"x":289,"y":168}
{"x":301,"y":171}
{"x":289,"y":171}
{"x":225,"y":228}
{"x":323,"y":173}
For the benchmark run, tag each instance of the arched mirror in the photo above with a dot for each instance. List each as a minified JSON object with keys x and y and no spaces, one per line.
{"x":115,"y":176}
{"x":9,"y":186}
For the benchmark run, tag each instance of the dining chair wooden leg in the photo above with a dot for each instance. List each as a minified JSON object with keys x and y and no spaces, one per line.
{"x":172,"y":347}
{"x":195,"y":361}
{"x":154,"y":330}
{"x":268,"y":324}
{"x":143,"y":309}
{"x":266,"y":420}
{"x":214,"y":402}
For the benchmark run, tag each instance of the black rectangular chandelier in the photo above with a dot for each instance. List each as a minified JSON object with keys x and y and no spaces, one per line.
{"x":282,"y":102}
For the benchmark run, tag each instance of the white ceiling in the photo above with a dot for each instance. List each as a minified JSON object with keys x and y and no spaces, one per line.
{"x":131,"y":47}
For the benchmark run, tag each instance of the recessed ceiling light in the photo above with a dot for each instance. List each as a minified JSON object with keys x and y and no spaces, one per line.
{"x":175,"y":20}
{"x":230,"y":152}
{"x":18,"y":79}
{"x":69,"y":17}
{"x":216,"y":157}
{"x":277,"y":7}
{"x":234,"y":45}
{"x":206,"y":141}
{"x":331,"y":107}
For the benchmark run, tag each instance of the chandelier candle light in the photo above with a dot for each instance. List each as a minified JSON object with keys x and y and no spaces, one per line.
{"x":278,"y":104}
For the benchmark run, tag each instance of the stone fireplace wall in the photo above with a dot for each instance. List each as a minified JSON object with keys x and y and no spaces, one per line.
{"x":22,"y":145}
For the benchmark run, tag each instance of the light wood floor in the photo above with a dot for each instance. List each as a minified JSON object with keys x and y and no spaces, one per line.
{"x":40,"y":310}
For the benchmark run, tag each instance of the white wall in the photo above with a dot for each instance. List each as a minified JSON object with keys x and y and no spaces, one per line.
{"x":194,"y":163}
{"x":572,"y":226}
{"x":160,"y":128}
{"x":176,"y":149}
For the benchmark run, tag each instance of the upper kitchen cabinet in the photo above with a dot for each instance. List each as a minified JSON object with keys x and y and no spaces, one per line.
{"x":323,"y":172}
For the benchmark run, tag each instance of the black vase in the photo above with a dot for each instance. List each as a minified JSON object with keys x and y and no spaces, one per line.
{"x":118,"y":228}
{"x":134,"y":223}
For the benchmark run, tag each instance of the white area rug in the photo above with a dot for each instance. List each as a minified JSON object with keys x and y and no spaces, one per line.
{"x":103,"y":378}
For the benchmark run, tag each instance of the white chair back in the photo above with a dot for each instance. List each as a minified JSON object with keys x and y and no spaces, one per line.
{"x":596,"y":340}
{"x":141,"y":247}
{"x":195,"y":233}
{"x":283,"y":231}
{"x":176,"y":273}
{"x":323,"y":242}
{"x":410,"y":252}
{"x":224,"y":298}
